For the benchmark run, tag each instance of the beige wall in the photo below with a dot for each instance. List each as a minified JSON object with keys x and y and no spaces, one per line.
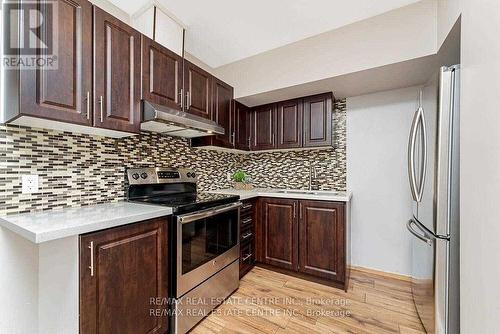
{"x":402,"y":34}
{"x":480,"y":167}
{"x":448,"y":12}
{"x":377,"y":135}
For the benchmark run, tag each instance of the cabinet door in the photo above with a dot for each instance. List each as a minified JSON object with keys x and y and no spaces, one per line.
{"x":242,"y":126}
{"x":222,"y":112}
{"x":121,"y":270}
{"x":263,"y":127}
{"x":161,"y":74}
{"x":318,"y":120}
{"x":279,"y":233}
{"x":64,"y":94}
{"x":198,"y":87}
{"x":289,"y":127}
{"x":117,"y":74}
{"x":322,"y":241}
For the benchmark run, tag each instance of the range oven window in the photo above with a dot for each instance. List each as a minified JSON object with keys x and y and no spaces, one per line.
{"x":205,"y":239}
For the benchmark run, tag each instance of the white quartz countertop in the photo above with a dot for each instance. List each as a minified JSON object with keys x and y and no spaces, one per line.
{"x":45,"y":226}
{"x":320,"y":195}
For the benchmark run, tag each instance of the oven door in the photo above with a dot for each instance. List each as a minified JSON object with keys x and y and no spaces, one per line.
{"x":207,"y":241}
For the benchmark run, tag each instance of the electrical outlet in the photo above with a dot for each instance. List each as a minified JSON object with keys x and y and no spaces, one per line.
{"x":30,"y":184}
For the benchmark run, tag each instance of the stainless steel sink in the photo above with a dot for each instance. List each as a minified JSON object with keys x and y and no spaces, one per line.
{"x":307,"y":192}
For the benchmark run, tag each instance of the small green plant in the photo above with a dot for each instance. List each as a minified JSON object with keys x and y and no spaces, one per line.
{"x":239,"y":176}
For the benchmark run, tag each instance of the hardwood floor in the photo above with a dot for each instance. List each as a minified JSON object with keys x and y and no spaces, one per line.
{"x":270,"y":302}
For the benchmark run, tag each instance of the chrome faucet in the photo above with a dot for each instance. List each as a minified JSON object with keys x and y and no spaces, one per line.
{"x":312,"y":173}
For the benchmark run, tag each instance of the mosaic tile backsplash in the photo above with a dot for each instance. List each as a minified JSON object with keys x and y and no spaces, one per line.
{"x":290,"y":169}
{"x":76,"y":170}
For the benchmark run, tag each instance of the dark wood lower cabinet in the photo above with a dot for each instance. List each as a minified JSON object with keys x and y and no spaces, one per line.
{"x":304,"y":238}
{"x":279,"y":233}
{"x":321,"y":239}
{"x":122,"y":270}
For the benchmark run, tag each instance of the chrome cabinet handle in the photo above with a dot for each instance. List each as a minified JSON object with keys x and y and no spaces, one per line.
{"x":246,"y":236}
{"x":409,"y":226}
{"x":88,"y":105}
{"x":246,"y":206}
{"x":246,"y":257}
{"x":246,"y":221}
{"x":91,"y":267}
{"x":182,"y":98}
{"x":101,"y":103}
{"x":188,"y":100}
{"x":233,"y":139}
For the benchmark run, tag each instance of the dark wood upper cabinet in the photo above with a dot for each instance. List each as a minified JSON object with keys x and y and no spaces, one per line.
{"x":121,"y":269}
{"x":321,"y":239}
{"x":289,"y":124}
{"x":198,"y":90}
{"x":318,"y":111}
{"x":263,"y":122}
{"x":296,"y":123}
{"x":65,"y":93}
{"x":161,"y":75}
{"x":279,"y":233}
{"x":117,"y":74}
{"x":242,"y":126}
{"x":222,"y":112}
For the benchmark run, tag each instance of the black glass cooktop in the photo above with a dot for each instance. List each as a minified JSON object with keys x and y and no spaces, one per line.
{"x":189,"y":202}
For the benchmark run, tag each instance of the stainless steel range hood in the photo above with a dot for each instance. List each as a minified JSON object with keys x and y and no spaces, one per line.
{"x":158,"y":118}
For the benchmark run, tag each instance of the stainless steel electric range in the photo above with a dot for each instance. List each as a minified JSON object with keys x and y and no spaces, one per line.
{"x":203,"y":240}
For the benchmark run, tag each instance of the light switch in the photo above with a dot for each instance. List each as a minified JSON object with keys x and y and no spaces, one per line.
{"x":30,"y":184}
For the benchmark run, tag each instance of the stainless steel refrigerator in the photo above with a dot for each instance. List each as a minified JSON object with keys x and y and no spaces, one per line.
{"x":433,"y":169}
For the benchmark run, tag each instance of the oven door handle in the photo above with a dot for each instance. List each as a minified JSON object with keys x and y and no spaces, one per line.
{"x":184,"y":219}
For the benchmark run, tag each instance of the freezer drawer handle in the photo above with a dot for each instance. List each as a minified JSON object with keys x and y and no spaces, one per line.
{"x":409,"y":226}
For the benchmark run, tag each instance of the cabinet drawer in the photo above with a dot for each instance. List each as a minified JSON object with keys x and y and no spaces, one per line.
{"x":247,"y":258}
{"x":246,"y":234}
{"x":246,"y":221}
{"x":246,"y":208}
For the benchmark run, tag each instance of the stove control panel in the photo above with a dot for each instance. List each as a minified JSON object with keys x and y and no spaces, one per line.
{"x":160,"y":175}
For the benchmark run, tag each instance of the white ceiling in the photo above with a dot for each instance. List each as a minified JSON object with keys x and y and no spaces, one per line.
{"x":399,"y":75}
{"x":223,"y":31}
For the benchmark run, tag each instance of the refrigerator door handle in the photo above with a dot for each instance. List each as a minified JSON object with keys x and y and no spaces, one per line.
{"x":411,"y":155}
{"x":423,"y":162}
{"x":409,"y":226}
